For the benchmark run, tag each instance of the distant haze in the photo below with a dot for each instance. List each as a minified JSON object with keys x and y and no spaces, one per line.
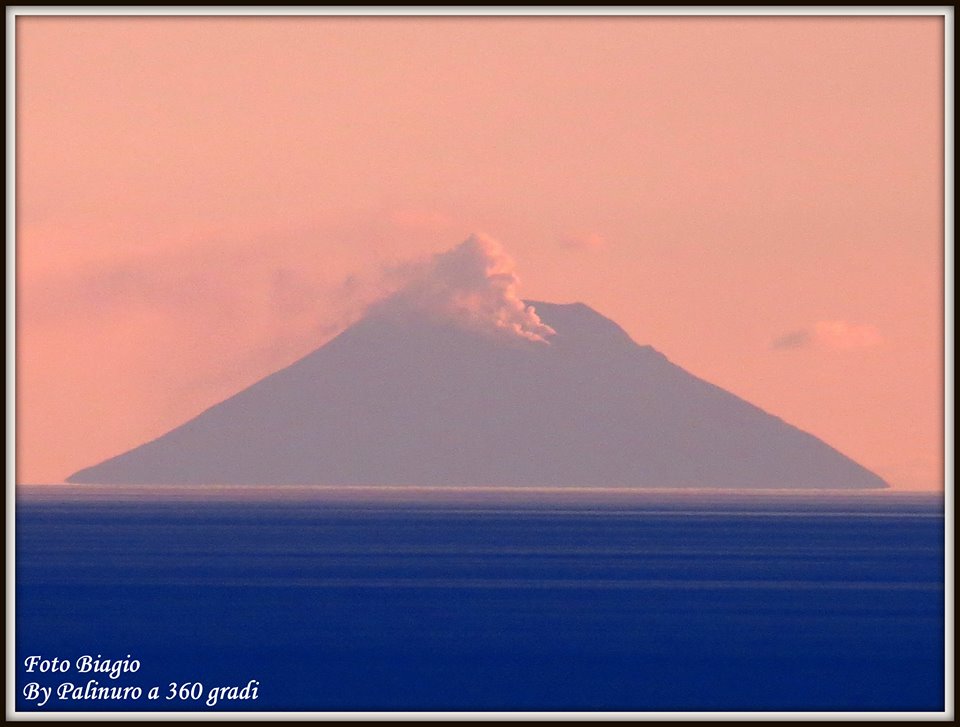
{"x":203,"y":201}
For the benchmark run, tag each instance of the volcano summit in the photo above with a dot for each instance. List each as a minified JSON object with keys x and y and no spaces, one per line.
{"x":408,"y":399}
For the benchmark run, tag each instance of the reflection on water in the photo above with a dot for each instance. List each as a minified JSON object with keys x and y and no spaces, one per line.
{"x":386,"y":598}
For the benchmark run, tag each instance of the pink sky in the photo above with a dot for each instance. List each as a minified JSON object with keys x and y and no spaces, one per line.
{"x":202,"y":200}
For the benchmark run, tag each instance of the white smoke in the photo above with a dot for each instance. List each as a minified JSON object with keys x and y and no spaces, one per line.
{"x":473,"y":285}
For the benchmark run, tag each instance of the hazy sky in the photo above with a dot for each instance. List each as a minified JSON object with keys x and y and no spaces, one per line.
{"x":202,"y":200}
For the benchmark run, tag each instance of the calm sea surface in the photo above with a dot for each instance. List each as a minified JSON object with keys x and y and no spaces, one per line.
{"x":388,"y":599}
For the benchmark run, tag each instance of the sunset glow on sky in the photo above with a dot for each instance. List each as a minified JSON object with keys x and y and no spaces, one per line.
{"x":201,"y":201}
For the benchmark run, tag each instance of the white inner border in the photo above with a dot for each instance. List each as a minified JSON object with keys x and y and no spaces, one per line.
{"x":947,"y":13}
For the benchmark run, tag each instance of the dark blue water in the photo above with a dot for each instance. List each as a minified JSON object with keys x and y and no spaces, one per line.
{"x":330,"y":605}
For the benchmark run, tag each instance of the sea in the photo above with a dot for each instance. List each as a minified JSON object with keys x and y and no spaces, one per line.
{"x":318,"y":599}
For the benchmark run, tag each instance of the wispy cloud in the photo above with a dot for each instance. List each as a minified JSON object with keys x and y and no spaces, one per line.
{"x":834,"y":334}
{"x":792,"y":339}
{"x":846,"y":336}
{"x":583,"y":241}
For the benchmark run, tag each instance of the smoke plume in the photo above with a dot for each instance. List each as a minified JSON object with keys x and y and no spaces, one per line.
{"x":473,"y":285}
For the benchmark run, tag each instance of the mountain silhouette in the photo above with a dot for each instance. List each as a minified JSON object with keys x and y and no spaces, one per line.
{"x":417,"y":401}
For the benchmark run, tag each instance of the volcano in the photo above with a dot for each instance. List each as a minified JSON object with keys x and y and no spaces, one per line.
{"x":421,"y":401}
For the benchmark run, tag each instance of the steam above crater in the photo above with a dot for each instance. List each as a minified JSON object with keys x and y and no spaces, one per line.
{"x":474,"y":285}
